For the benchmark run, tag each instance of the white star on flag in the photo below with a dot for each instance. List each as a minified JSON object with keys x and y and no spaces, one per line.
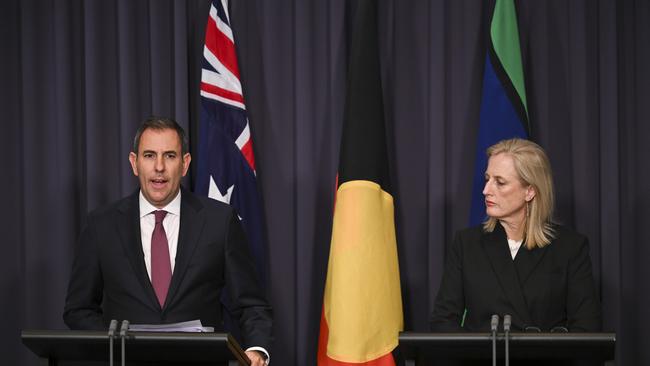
{"x":215,"y":193}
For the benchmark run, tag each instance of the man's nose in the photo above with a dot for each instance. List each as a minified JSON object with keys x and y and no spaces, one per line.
{"x":160,"y":164}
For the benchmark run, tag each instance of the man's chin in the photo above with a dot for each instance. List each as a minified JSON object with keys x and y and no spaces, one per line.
{"x":159,"y":200}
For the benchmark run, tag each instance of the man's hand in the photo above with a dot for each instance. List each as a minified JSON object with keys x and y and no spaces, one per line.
{"x":257,"y":358}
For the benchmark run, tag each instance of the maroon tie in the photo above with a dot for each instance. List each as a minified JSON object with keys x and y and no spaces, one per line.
{"x":161,"y":268}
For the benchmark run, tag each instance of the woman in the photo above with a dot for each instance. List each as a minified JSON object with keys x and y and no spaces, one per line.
{"x":518,"y":262}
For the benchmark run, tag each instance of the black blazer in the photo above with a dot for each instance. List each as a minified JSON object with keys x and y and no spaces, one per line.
{"x":109,"y":279}
{"x":544,"y":287}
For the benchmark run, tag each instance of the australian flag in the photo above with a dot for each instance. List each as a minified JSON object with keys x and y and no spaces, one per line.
{"x":226,"y":165}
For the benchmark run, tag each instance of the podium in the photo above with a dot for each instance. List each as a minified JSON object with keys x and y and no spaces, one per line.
{"x":427,"y":348}
{"x":61,"y":347}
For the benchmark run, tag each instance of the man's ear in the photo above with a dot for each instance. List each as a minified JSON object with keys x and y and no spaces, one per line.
{"x":187,"y":158}
{"x":133,"y":158}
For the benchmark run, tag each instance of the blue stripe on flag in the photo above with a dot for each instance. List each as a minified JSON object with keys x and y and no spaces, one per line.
{"x":499,"y":121}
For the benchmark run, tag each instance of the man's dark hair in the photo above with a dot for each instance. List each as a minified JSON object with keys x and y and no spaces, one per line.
{"x":160,"y":123}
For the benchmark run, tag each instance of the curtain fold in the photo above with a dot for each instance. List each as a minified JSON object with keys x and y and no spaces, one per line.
{"x":77,"y":77}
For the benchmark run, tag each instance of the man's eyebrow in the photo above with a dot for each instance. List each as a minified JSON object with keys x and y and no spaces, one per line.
{"x":164,"y":152}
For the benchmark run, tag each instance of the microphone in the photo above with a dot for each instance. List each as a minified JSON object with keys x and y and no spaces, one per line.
{"x":112,"y":327}
{"x":507,"y":321}
{"x":111,"y":334}
{"x":494,"y":324}
{"x":123,"y":328}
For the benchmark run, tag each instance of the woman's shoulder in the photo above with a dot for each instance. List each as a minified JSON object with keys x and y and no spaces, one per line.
{"x":470,"y":234}
{"x":567,"y":238}
{"x":564,"y":232}
{"x":472,"y":230}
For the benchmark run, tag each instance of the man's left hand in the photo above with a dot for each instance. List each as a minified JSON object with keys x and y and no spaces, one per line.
{"x":257,"y":358}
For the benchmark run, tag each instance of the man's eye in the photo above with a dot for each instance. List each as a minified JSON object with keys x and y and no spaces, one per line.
{"x":148,"y":155}
{"x":171,"y":156}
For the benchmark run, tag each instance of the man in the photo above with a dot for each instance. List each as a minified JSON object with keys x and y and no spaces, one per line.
{"x":163,"y":255}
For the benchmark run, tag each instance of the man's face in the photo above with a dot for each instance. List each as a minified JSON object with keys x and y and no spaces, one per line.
{"x":159,"y":165}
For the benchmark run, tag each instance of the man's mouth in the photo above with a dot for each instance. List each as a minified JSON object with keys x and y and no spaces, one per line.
{"x":158,"y":182}
{"x":489,"y":203}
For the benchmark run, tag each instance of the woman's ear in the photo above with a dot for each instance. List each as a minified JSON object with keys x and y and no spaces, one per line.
{"x":530,"y":193}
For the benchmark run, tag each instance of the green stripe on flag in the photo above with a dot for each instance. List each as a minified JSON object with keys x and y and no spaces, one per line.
{"x":505,"y":39}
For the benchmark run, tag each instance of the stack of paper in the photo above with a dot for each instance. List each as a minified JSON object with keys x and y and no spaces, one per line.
{"x":192,"y":326}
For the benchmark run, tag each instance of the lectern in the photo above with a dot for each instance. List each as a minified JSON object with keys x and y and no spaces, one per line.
{"x":58,"y":347}
{"x":427,"y":348}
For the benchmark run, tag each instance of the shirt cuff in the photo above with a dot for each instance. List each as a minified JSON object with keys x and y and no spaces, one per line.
{"x":260,"y":349}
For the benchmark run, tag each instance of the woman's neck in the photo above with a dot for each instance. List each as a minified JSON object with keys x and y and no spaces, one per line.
{"x":514,"y":228}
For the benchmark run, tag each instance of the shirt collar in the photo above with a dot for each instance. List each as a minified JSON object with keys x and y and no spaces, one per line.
{"x":173,"y":207}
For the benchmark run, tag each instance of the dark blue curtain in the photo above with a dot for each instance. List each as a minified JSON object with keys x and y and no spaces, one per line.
{"x":77,"y":77}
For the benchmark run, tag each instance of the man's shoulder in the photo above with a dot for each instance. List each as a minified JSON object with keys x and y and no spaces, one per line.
{"x":200,"y":202}
{"x":124,"y":204}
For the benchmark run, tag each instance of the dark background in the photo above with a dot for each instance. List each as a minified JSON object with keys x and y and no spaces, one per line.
{"x":77,"y":77}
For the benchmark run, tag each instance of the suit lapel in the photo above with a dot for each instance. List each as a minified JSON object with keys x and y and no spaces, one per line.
{"x":496,"y":248}
{"x":526,"y":261}
{"x":191,"y":227}
{"x":128,"y":227}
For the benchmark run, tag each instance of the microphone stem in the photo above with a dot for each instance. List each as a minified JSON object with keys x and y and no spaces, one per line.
{"x":494,"y":326}
{"x":507,"y":322}
{"x":507,"y":349}
{"x":111,"y":336}
{"x":494,"y":349}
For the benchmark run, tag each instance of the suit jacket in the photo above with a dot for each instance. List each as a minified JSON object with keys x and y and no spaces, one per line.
{"x":545,"y":287}
{"x":109,"y":279}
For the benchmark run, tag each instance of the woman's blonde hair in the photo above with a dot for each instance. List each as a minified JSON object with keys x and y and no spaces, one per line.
{"x":533,"y":167}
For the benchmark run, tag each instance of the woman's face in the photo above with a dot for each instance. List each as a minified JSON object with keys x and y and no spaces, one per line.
{"x":505,"y":196}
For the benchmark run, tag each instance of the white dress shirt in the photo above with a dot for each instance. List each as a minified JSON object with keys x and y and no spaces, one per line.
{"x":514,"y":247}
{"x":171,"y":224}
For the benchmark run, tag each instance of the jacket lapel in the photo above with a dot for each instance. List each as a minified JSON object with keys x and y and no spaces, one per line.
{"x":496,"y":248}
{"x":191,"y":227}
{"x":128,"y":228}
{"x":526,"y":261}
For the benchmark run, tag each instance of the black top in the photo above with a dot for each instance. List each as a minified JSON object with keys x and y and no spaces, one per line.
{"x":545,"y":287}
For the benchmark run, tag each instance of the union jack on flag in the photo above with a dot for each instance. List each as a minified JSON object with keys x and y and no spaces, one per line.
{"x":226,"y":165}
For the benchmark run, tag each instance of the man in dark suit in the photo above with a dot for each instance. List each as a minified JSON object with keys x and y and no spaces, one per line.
{"x":163,"y":255}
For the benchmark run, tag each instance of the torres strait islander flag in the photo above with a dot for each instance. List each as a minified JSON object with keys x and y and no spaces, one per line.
{"x":362,"y":306}
{"x":226,"y":166}
{"x":504,"y":111}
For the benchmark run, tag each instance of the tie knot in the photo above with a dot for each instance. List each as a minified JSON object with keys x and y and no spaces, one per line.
{"x":160,"y":215}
